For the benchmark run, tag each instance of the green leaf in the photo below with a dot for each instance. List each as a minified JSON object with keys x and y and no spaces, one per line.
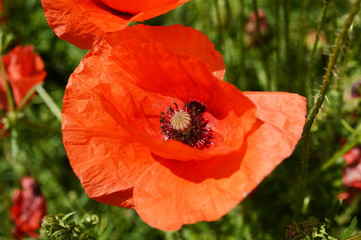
{"x":350,"y":229}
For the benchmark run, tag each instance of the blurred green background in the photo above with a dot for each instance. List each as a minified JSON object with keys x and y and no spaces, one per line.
{"x":278,"y":59}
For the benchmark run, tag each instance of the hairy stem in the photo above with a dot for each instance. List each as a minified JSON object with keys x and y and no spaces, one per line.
{"x":325,"y":85}
{"x":312,"y":58}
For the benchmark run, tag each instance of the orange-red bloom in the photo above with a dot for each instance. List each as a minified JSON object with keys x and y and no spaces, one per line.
{"x":28,"y":210}
{"x":24,"y":69}
{"x":126,"y":101}
{"x":352,"y":172}
{"x":85,"y":22}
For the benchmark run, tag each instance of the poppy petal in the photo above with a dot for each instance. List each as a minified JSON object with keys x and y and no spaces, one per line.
{"x":94,"y":141}
{"x":183,"y":193}
{"x":84,"y":22}
{"x":279,"y":109}
{"x":129,"y":92}
{"x":176,"y":38}
{"x":24,"y":70}
{"x":74,"y":21}
{"x":138,"y":6}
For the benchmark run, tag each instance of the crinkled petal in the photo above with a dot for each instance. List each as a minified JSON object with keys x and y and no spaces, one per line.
{"x":24,"y":70}
{"x":284,"y":111}
{"x":103,"y":156}
{"x":178,"y":39}
{"x":170,"y":194}
{"x":138,"y":6}
{"x":84,"y":22}
{"x":141,"y":80}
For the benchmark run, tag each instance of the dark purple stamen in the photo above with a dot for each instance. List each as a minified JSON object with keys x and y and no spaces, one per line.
{"x":187,"y":125}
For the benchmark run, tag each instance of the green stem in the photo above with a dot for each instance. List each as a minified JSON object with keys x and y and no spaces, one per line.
{"x":309,"y":83}
{"x":5,"y":201}
{"x":9,"y":97}
{"x":220,"y":27}
{"x":228,"y":17}
{"x":332,"y":62}
{"x":347,"y":147}
{"x":26,"y":99}
{"x":355,"y":237}
{"x":287,"y":42}
{"x":36,"y":126}
{"x":48,"y":101}
{"x":347,"y":127}
{"x":326,"y":83}
{"x":279,"y":71}
{"x":255,"y":10}
{"x":263,"y":52}
{"x":300,"y":48}
{"x":242,"y":49}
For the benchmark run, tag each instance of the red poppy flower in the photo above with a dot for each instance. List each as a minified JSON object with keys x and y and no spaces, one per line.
{"x":254,"y":35}
{"x":85,"y":22}
{"x":24,"y":70}
{"x":148,"y":124}
{"x":352,"y":172}
{"x":28,"y":210}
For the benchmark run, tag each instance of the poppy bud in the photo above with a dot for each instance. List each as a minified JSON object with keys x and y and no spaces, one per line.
{"x":256,"y":35}
{"x":356,"y":89}
{"x":28,"y":209}
{"x":24,"y":69}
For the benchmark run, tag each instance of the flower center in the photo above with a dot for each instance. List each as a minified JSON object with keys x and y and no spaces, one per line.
{"x":187,"y":125}
{"x":181,"y":121}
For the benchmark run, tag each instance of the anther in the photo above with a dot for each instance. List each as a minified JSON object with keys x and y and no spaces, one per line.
{"x":187,"y":125}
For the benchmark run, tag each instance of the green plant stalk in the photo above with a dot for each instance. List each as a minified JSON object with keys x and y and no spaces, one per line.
{"x":312,"y":58}
{"x":348,"y":127}
{"x":36,"y":126}
{"x":262,"y":49}
{"x":242,"y":48}
{"x":48,"y":101}
{"x":332,"y":62}
{"x":347,"y":147}
{"x":325,"y":85}
{"x":278,"y":72}
{"x":355,"y":237}
{"x":301,"y":46}
{"x":228,"y":17}
{"x":287,"y":42}
{"x":26,"y":99}
{"x":5,"y":201}
{"x":220,"y":27}
{"x":9,"y":97}
{"x":255,"y":10}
